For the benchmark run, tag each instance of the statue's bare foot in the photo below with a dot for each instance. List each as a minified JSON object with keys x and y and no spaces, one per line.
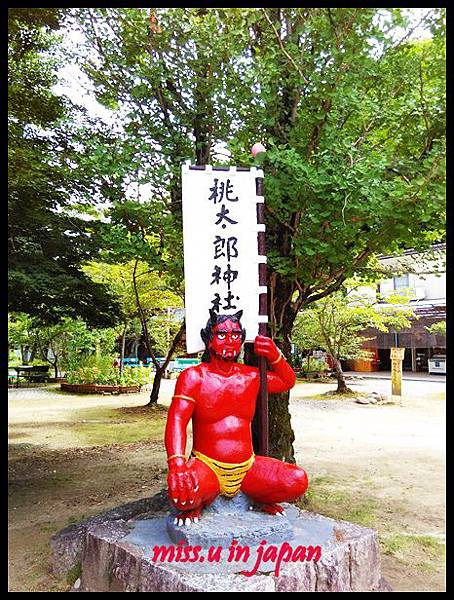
{"x":272,"y":509}
{"x":187,"y":517}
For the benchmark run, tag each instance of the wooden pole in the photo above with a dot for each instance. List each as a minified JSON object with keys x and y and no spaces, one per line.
{"x":263,"y":403}
{"x":262,"y":400}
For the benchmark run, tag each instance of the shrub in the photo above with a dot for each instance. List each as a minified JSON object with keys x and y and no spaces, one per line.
{"x":312,"y":364}
{"x":100,"y":371}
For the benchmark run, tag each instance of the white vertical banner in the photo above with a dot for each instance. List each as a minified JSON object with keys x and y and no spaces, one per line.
{"x":221,"y":255}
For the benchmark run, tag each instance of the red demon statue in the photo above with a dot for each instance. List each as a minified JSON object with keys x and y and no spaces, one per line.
{"x":219,"y":395}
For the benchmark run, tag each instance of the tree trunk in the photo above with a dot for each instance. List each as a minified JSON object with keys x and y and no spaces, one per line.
{"x":282,"y":318}
{"x":55,"y":365}
{"x":24,"y":354}
{"x":122,"y":349}
{"x":341,"y":385}
{"x":156,"y":386}
{"x":160,"y":371}
{"x":32,"y":353}
{"x":281,"y":436}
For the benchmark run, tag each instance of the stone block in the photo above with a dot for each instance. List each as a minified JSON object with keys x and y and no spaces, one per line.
{"x":117,"y":551}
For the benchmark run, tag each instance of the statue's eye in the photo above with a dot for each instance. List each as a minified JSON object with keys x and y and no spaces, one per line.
{"x":235,"y":336}
{"x":221,"y":336}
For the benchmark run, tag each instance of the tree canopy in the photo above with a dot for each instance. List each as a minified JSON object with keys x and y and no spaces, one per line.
{"x":47,"y":241}
{"x":336,"y":324}
{"x":353,"y":119}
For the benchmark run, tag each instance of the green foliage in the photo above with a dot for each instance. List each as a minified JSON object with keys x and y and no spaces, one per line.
{"x":163,"y":328}
{"x":70,"y":341}
{"x":18,"y":330}
{"x":101,"y":372}
{"x":438,"y":328}
{"x":336,"y":323}
{"x":156,"y":298}
{"x":46,"y":243}
{"x":311,"y":364}
{"x":154,"y":291}
{"x":350,"y":109}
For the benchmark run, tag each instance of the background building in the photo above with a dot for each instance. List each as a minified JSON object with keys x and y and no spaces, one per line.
{"x":424,"y":276}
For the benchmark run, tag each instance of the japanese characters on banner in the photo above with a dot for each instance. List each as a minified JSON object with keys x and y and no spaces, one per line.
{"x":221,"y":257}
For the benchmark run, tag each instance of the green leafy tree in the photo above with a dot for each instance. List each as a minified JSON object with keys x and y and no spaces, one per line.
{"x":67,"y":343}
{"x":19,"y":325}
{"x":144,"y":295}
{"x":350,"y":109}
{"x":336,"y":324}
{"x":47,"y":241}
{"x":64,"y":345}
{"x":118,"y":279}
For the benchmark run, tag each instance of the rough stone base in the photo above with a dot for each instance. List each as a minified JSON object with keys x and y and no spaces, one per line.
{"x":223,"y":517}
{"x":115,"y":551}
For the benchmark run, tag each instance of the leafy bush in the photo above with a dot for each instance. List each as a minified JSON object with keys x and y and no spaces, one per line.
{"x":312,"y":364}
{"x":100,"y":371}
{"x":16,"y":361}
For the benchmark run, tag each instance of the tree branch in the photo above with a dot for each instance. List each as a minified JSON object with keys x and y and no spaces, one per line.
{"x":276,"y":33}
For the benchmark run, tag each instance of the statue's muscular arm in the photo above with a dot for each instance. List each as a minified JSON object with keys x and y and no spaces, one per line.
{"x":182,"y":483}
{"x":281,"y":378}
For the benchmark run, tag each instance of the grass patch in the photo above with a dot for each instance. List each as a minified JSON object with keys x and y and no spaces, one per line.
{"x":73,"y":519}
{"x":144,"y":411}
{"x":331,"y":395}
{"x":106,"y":426}
{"x":36,"y":570}
{"x":318,"y":380}
{"x":324,"y":498}
{"x":411,"y":555}
{"x":48,"y":528}
{"x":423,"y":552}
{"x":73,"y":574}
{"x":398,"y":545}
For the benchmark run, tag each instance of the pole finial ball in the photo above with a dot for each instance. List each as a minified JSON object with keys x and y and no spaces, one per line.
{"x":257,"y":148}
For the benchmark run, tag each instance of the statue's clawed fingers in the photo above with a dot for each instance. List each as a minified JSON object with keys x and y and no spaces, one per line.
{"x":173,"y":487}
{"x":182,"y":489}
{"x":189,"y":489}
{"x":195,"y":481}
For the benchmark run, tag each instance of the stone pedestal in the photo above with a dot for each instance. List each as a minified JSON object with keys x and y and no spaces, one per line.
{"x":121,"y":551}
{"x":224,"y":517}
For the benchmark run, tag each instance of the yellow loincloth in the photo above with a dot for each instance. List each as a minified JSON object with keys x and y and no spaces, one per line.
{"x":230,"y":475}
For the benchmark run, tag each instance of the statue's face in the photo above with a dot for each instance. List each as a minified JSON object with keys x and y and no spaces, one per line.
{"x":226,"y":342}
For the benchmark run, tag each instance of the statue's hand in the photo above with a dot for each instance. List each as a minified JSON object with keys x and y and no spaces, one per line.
{"x":264,"y":346}
{"x":182,"y":483}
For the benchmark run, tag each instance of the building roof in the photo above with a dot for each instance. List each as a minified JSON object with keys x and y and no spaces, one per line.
{"x":427,"y":313}
{"x":434,"y":247}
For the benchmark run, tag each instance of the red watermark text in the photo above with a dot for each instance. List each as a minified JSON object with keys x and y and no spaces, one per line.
{"x":264,"y":553}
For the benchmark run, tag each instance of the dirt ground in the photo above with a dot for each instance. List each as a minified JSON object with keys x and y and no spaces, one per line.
{"x":381,"y":466}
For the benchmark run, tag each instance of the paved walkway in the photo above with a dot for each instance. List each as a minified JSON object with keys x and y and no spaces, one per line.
{"x":406,"y":375}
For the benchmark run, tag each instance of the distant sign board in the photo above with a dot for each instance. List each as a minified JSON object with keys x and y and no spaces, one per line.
{"x":221,"y":250}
